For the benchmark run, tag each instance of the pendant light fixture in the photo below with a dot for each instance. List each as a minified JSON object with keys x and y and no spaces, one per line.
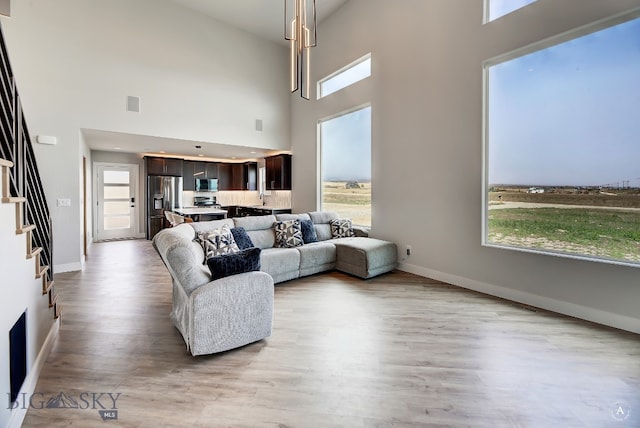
{"x":300,"y":30}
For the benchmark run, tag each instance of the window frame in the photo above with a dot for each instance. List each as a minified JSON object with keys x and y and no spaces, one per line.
{"x":342,"y":70}
{"x":542,"y":44}
{"x":320,"y":157}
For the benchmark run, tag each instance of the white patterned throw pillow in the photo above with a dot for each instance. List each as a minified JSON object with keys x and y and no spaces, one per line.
{"x":288,"y":234}
{"x":217,"y":242}
{"x":341,"y":228}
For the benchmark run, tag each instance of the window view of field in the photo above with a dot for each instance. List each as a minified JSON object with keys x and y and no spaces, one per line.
{"x":595,"y":223}
{"x":346,"y":166}
{"x":563,"y":147}
{"x":348,"y":198}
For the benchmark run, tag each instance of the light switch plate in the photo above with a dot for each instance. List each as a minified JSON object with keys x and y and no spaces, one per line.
{"x":64,"y":202}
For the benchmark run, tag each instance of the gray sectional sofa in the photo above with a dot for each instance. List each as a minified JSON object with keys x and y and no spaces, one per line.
{"x":215,"y":316}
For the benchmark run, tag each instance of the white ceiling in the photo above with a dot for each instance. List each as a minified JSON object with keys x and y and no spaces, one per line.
{"x":263,"y":18}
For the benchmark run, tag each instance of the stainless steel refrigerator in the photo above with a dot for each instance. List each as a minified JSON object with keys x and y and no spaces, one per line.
{"x":163,"y":193}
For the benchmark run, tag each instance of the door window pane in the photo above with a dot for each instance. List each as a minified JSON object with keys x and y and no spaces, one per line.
{"x":116,"y":192}
{"x":118,"y":222}
{"x":116,"y":177}
{"x":116,"y":207}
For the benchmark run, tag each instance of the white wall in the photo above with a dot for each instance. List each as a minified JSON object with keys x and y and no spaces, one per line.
{"x":426,"y":95}
{"x":76,"y":61}
{"x":20,"y":292}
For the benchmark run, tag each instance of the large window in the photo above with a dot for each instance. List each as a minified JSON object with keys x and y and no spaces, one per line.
{"x":562,"y":147}
{"x":345,"y":143}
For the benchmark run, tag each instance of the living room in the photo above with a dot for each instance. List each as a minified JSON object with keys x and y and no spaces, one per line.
{"x":202,"y":80}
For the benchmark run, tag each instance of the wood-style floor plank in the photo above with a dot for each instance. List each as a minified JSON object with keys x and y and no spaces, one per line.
{"x":394,"y":351}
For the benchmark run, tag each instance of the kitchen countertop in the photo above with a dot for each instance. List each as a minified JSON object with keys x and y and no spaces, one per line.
{"x":200,"y":210}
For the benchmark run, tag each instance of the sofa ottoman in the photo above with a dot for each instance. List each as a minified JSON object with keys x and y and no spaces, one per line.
{"x":365,"y":257}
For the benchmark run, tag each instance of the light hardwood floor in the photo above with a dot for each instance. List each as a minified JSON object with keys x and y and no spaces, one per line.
{"x":394,"y":351}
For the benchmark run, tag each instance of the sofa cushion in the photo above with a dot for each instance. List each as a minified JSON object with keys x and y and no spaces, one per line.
{"x":217,"y":242}
{"x":283,"y":217}
{"x":282,"y":264}
{"x":341,"y":228}
{"x":288,"y":234}
{"x":321,"y":222}
{"x":246,"y":260}
{"x":242,"y":238}
{"x":317,"y":254}
{"x":309,"y":234}
{"x":259,"y":229}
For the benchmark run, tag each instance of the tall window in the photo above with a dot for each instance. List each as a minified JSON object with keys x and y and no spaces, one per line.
{"x":562,"y":146}
{"x":498,"y":8}
{"x":345,"y":143}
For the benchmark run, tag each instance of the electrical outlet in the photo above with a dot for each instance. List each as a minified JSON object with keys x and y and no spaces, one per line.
{"x":64,"y":202}
{"x":408,"y":250}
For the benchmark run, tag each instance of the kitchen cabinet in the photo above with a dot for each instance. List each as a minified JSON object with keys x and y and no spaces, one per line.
{"x":164,"y":166}
{"x":256,"y":211}
{"x":238,"y":176}
{"x":278,"y":172}
{"x":225,"y":176}
{"x":195,"y":169}
{"x":250,"y":176}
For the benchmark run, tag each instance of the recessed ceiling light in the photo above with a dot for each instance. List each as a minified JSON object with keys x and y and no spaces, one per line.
{"x":117,"y":148}
{"x":233,"y":157}
{"x":201,"y":155}
{"x":253,"y":153}
{"x":162,"y":151}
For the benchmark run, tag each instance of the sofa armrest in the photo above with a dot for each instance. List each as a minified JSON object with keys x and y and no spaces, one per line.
{"x":230,"y":312}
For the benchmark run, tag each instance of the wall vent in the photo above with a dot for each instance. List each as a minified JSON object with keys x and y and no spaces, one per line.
{"x":18,"y":355}
{"x":133,"y":104}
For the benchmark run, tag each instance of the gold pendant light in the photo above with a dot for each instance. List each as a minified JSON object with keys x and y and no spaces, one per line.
{"x":300,"y":30}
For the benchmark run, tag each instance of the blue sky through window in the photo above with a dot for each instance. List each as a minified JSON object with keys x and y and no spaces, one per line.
{"x":498,"y":8}
{"x":346,"y":78}
{"x":346,"y":147}
{"x":568,"y":114}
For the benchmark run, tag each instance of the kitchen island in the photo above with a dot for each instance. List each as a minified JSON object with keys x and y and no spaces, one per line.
{"x":202,"y":213}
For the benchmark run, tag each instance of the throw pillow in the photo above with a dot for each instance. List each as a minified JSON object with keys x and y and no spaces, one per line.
{"x":217,"y":242}
{"x":242,"y":238}
{"x":246,"y":260}
{"x":288,"y":234}
{"x":341,"y":228}
{"x":308,"y":231}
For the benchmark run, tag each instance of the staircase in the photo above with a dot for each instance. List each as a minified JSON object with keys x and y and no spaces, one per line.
{"x":40,"y":271}
{"x":21,"y":184}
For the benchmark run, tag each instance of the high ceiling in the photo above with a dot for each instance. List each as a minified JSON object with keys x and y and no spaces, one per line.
{"x":263,"y":18}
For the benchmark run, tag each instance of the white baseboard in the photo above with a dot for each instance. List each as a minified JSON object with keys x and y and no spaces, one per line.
{"x":571,"y":309}
{"x":67,"y":267}
{"x":29,"y":385}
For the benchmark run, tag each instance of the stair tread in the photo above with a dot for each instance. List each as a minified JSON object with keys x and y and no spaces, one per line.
{"x":46,"y":286}
{"x":4,"y":162}
{"x":14,"y":200}
{"x":34,"y":252}
{"x":53,"y":301}
{"x":42,"y":271}
{"x":25,"y":228}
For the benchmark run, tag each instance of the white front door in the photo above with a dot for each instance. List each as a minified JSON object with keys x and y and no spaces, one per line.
{"x":116,"y":203}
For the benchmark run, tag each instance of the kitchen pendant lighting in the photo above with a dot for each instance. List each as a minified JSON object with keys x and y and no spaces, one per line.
{"x":300,"y":30}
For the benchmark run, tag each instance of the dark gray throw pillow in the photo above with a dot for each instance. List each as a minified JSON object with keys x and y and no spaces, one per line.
{"x":246,"y":260}
{"x":308,"y":231}
{"x":242,"y":238}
